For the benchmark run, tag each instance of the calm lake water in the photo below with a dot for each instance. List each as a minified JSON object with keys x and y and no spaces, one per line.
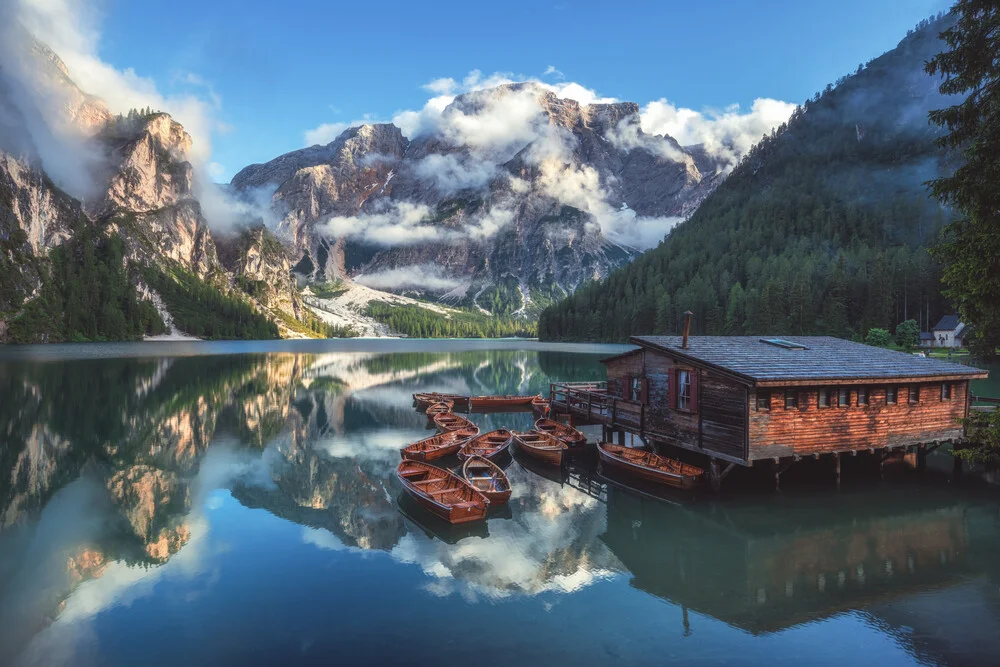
{"x":236,"y":503}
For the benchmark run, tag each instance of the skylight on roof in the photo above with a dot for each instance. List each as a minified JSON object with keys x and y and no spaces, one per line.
{"x":781,"y":342}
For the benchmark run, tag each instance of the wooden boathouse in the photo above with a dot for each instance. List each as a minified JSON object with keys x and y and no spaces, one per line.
{"x":743,"y":400}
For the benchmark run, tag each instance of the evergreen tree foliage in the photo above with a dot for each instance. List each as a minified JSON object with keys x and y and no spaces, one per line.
{"x":822,"y":228}
{"x":420,"y":322}
{"x":971,"y":250}
{"x":87,"y":296}
{"x":202,"y":310}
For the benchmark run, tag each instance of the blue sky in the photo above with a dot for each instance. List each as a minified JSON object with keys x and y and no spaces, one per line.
{"x":281,"y":69}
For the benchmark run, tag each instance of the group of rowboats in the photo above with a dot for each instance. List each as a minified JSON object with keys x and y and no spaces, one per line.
{"x":465,"y":495}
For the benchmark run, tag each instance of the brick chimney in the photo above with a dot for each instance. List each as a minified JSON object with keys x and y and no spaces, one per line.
{"x":687,"y":329}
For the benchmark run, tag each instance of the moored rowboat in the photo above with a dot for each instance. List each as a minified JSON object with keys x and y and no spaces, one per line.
{"x":564,"y":432}
{"x":542,"y":446}
{"x":440,"y":445}
{"x":442,"y":492}
{"x":449,"y":421}
{"x":487,"y":478}
{"x":499,"y":401}
{"x":650,"y":466}
{"x":488,"y":445}
{"x":540,"y":406}
{"x":424,"y":400}
{"x":439,"y":408}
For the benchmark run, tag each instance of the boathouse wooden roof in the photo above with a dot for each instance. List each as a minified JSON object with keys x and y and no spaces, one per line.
{"x":804,"y":359}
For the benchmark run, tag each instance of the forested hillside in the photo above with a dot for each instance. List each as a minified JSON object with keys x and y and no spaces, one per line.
{"x":822,"y":228}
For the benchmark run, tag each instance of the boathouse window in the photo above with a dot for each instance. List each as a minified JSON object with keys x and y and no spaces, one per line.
{"x":684,"y":390}
{"x":824,"y":398}
{"x":862,"y":395}
{"x":764,"y":400}
{"x":843,"y":397}
{"x":915,"y":394}
{"x":636,"y":388}
{"x":791,"y":399}
{"x":890,"y":395}
{"x":945,"y":392}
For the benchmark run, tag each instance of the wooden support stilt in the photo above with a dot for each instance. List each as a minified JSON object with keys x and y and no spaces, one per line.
{"x":714,"y":476}
{"x":687,"y":623}
{"x":836,"y":463}
{"x":621,"y":437}
{"x":778,"y":470}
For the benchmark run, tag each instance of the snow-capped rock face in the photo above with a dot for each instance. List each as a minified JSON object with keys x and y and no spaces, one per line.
{"x":514,"y":185}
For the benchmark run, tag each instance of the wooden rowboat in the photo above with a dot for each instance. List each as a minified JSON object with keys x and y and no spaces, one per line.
{"x":487,"y":478}
{"x":449,"y":421}
{"x":499,"y":401}
{"x":649,"y":466}
{"x":425,"y":400}
{"x":438,"y":446}
{"x":540,"y":406}
{"x":542,"y":446}
{"x":442,"y":492}
{"x":564,"y":432}
{"x":488,"y":445}
{"x":439,"y":408}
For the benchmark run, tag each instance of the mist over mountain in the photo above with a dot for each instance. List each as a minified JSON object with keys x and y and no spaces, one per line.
{"x":511,"y":196}
{"x":822,"y":228}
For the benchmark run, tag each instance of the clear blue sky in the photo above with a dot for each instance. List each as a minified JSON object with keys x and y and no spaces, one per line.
{"x":283,"y":68}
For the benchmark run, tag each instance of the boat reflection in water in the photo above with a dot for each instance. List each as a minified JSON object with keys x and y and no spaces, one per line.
{"x":149,"y":492}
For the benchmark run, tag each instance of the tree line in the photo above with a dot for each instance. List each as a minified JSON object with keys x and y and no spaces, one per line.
{"x":822,"y":228}
{"x":420,"y":322}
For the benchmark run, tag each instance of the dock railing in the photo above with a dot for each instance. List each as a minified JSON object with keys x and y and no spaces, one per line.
{"x":591,"y":402}
{"x":984,"y":403}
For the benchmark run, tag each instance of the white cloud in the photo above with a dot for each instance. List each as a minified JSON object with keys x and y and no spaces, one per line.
{"x":450,"y":173}
{"x":552,"y":71}
{"x":726,"y":134}
{"x":418,"y":276}
{"x":396,"y":224}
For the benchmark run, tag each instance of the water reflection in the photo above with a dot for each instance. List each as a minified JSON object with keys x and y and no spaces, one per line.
{"x":111,"y":470}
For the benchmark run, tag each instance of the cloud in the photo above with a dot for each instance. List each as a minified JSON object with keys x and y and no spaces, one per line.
{"x":429,"y":277}
{"x":552,"y":71}
{"x":395,"y":224}
{"x":71,"y":29}
{"x":450,"y":173}
{"x":726,"y":135}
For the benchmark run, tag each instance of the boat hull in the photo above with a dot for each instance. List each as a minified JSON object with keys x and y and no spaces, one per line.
{"x":567,"y":434}
{"x":490,"y":446}
{"x":682,"y":481}
{"x":546,"y":454}
{"x":472,"y":509}
{"x":500,"y":401}
{"x":442,"y":445}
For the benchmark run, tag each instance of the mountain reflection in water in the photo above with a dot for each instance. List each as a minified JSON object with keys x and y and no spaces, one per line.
{"x":143,"y":493}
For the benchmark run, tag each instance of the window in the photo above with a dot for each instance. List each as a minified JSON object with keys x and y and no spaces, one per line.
{"x":635,"y":390}
{"x":764,"y":400}
{"x":791,"y":399}
{"x":945,"y":392}
{"x":890,"y":395}
{"x":824,"y":398}
{"x":684,"y":390}
{"x":843,"y":397}
{"x":862,"y":395}
{"x":915,"y":394}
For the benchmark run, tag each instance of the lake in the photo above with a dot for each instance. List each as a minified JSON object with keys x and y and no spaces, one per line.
{"x":236,"y":503}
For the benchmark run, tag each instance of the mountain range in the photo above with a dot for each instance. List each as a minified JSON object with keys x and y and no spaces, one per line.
{"x":500,"y":221}
{"x":823,"y":227}
{"x":512,"y":199}
{"x":491,"y":212}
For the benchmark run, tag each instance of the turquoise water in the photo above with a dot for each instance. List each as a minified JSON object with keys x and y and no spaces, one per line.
{"x":235,"y":503}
